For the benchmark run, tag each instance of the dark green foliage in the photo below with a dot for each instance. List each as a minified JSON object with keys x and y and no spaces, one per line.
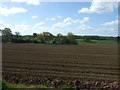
{"x":17,"y":34}
{"x":40,"y":38}
{"x":35,"y":40}
{"x":34,"y":35}
{"x":118,"y":39}
{"x":71,"y":38}
{"x":59,"y":39}
{"x":6,"y":35}
{"x":48,"y":38}
{"x":97,"y":37}
{"x":86,"y":39}
{"x":65,"y":40}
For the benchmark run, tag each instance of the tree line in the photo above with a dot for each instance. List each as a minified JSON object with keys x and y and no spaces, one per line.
{"x":45,"y":37}
{"x":48,"y":38}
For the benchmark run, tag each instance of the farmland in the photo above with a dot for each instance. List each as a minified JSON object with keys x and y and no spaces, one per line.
{"x":80,"y":41}
{"x":81,"y":66}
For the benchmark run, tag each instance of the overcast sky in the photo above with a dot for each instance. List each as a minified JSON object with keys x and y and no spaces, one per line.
{"x":80,"y":18}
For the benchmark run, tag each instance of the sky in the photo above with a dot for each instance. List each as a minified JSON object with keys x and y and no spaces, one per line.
{"x":80,"y":18}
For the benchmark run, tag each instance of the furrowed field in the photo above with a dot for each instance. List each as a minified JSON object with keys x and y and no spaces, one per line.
{"x":81,"y":66}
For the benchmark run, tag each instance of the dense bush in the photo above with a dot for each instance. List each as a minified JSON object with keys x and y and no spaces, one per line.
{"x":86,"y":39}
{"x":71,"y":38}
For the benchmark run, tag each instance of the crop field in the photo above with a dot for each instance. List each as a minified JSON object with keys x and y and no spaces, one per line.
{"x":79,"y":66}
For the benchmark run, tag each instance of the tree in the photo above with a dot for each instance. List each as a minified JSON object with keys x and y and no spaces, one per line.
{"x":59,"y":35}
{"x":6,"y":35}
{"x":40,"y":38}
{"x":64,"y":40}
{"x":86,"y":39}
{"x":58,"y":38}
{"x":71,"y":38}
{"x":48,"y":37}
{"x":34,"y":35}
{"x":17,"y":34}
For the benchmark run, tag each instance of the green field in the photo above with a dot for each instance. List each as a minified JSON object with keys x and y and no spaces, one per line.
{"x":80,"y":41}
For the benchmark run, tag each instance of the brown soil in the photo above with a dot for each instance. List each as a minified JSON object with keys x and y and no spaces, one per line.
{"x":81,"y":66}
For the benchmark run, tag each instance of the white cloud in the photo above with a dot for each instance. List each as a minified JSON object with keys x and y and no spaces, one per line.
{"x":88,"y":30}
{"x":69,"y":21}
{"x":24,"y":29}
{"x":32,"y":2}
{"x":84,"y":27}
{"x":8,"y":25}
{"x":47,"y":18}
{"x":53,"y":19}
{"x":5,"y":11}
{"x":106,"y":31}
{"x":39,"y":25}
{"x":58,"y":25}
{"x":111,"y":23}
{"x":21,"y":27}
{"x":81,"y":29}
{"x":84,"y":20}
{"x":1,"y":22}
{"x":3,"y":25}
{"x":59,"y":16}
{"x":99,"y":6}
{"x":65,"y":22}
{"x":78,"y":27}
{"x":34,"y":16}
{"x":84,"y":10}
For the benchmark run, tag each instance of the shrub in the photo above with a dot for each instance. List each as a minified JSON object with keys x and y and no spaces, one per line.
{"x":86,"y":39}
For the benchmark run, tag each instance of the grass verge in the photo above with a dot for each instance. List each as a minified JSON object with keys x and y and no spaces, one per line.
{"x":11,"y":86}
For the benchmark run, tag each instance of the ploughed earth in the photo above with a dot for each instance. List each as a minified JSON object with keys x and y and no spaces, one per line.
{"x":81,"y":66}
